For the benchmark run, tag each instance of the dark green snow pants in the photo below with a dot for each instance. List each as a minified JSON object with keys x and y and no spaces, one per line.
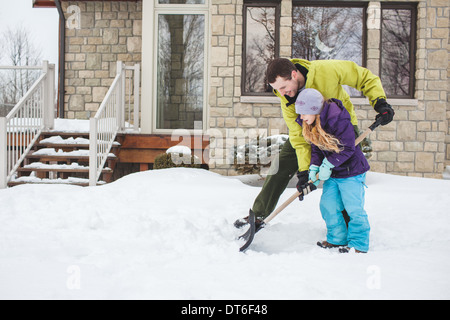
{"x":281,"y":171}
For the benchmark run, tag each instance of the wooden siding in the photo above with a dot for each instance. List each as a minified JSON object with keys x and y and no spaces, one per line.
{"x":144,"y":148}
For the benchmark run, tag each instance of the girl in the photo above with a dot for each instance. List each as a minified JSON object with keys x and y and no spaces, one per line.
{"x":340,"y":164}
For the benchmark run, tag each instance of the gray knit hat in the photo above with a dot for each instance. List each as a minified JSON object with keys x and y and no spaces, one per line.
{"x":309,"y":101}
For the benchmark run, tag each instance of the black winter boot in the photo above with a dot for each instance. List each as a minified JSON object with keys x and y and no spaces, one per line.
{"x":259,"y":223}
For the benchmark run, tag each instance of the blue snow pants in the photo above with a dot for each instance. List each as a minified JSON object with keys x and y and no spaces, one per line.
{"x":348,"y":193}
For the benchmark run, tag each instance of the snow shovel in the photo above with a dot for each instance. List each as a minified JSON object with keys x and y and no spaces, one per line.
{"x":250,"y":233}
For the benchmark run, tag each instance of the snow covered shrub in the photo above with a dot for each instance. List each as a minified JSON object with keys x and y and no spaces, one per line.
{"x":366,"y":147}
{"x":258,"y":154}
{"x":175,"y":157}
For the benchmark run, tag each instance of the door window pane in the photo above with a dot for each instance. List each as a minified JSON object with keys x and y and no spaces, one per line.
{"x":180,"y":71}
{"x":396,"y":44}
{"x":260,"y":47}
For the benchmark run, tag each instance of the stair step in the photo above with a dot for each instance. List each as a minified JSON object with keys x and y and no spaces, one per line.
{"x":57,"y":155}
{"x":63,"y":170}
{"x":70,"y":181}
{"x":62,"y":146}
{"x":61,"y":142}
{"x":56,"y":139}
{"x":68,"y":146}
{"x":80,"y":155}
{"x":68,"y":134}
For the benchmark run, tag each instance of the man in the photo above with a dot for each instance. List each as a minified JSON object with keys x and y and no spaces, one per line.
{"x":288,"y":78}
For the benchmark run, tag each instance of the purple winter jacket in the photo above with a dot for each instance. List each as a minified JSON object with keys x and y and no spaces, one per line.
{"x":350,"y":162}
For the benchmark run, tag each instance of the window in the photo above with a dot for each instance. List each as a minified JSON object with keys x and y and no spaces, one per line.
{"x":181,"y":70}
{"x":397,"y":49}
{"x":261,"y":45}
{"x":329,"y":30}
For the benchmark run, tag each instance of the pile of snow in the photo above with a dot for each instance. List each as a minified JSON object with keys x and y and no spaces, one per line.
{"x":62,"y":153}
{"x":168,"y":234}
{"x":180,"y":150}
{"x":40,"y":165}
{"x":60,"y":140}
{"x":71,"y":125}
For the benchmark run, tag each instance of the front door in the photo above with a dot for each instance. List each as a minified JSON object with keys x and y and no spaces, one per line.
{"x":178,"y":88}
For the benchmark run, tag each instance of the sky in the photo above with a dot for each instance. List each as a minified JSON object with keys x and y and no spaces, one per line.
{"x":42,"y":23}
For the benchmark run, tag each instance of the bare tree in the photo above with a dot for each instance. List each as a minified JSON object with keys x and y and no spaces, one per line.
{"x":327,"y":33}
{"x":17,"y":50}
{"x":260,"y":47}
{"x":395,"y":56}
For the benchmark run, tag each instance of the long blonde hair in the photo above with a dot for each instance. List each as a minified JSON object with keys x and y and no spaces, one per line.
{"x":315,"y":134}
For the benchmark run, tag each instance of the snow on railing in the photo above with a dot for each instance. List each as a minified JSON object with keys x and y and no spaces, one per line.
{"x":110,"y":119}
{"x":24,"y":123}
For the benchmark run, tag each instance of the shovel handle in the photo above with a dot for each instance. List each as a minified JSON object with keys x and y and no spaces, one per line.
{"x":281,"y":207}
{"x":372,"y":127}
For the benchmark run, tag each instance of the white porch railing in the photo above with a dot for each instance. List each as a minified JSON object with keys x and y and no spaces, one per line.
{"x":114,"y":115}
{"x":24,"y":123}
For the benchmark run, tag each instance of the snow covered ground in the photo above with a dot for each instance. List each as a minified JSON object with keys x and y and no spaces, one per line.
{"x":168,"y":234}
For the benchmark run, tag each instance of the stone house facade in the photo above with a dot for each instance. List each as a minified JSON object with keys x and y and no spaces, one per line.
{"x":107,"y":32}
{"x":416,"y":143}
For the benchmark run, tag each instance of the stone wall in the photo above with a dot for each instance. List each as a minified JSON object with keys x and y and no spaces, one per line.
{"x":415,"y":143}
{"x":103,"y":33}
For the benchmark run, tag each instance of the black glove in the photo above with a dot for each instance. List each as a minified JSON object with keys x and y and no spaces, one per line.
{"x":385,"y":112}
{"x":303,"y":184}
{"x":305,"y":189}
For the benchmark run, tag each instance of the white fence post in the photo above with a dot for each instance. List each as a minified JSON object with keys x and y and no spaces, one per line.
{"x":49,"y":102}
{"x":3,"y":154}
{"x":137,"y":85}
{"x":121,"y":96}
{"x":93,"y":152}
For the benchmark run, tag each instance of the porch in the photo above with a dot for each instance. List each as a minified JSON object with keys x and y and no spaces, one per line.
{"x":37,"y":148}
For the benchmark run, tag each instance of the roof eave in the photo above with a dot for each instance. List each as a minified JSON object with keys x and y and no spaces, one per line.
{"x":44,"y":4}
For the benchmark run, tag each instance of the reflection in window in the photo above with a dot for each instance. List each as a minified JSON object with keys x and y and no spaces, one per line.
{"x":328,"y":33}
{"x":396,"y":41}
{"x":260,"y":46}
{"x":180,"y":70}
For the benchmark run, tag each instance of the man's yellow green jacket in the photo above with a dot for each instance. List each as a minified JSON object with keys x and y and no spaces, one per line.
{"x":328,"y":76}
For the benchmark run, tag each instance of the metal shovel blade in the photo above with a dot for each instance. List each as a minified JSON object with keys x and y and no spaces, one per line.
{"x":250,"y":233}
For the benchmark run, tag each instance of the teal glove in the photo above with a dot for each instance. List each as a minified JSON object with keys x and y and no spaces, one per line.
{"x":325,"y":170}
{"x":313,"y":170}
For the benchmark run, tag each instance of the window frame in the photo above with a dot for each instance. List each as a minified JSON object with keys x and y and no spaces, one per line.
{"x":258,"y":3}
{"x":412,"y":48}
